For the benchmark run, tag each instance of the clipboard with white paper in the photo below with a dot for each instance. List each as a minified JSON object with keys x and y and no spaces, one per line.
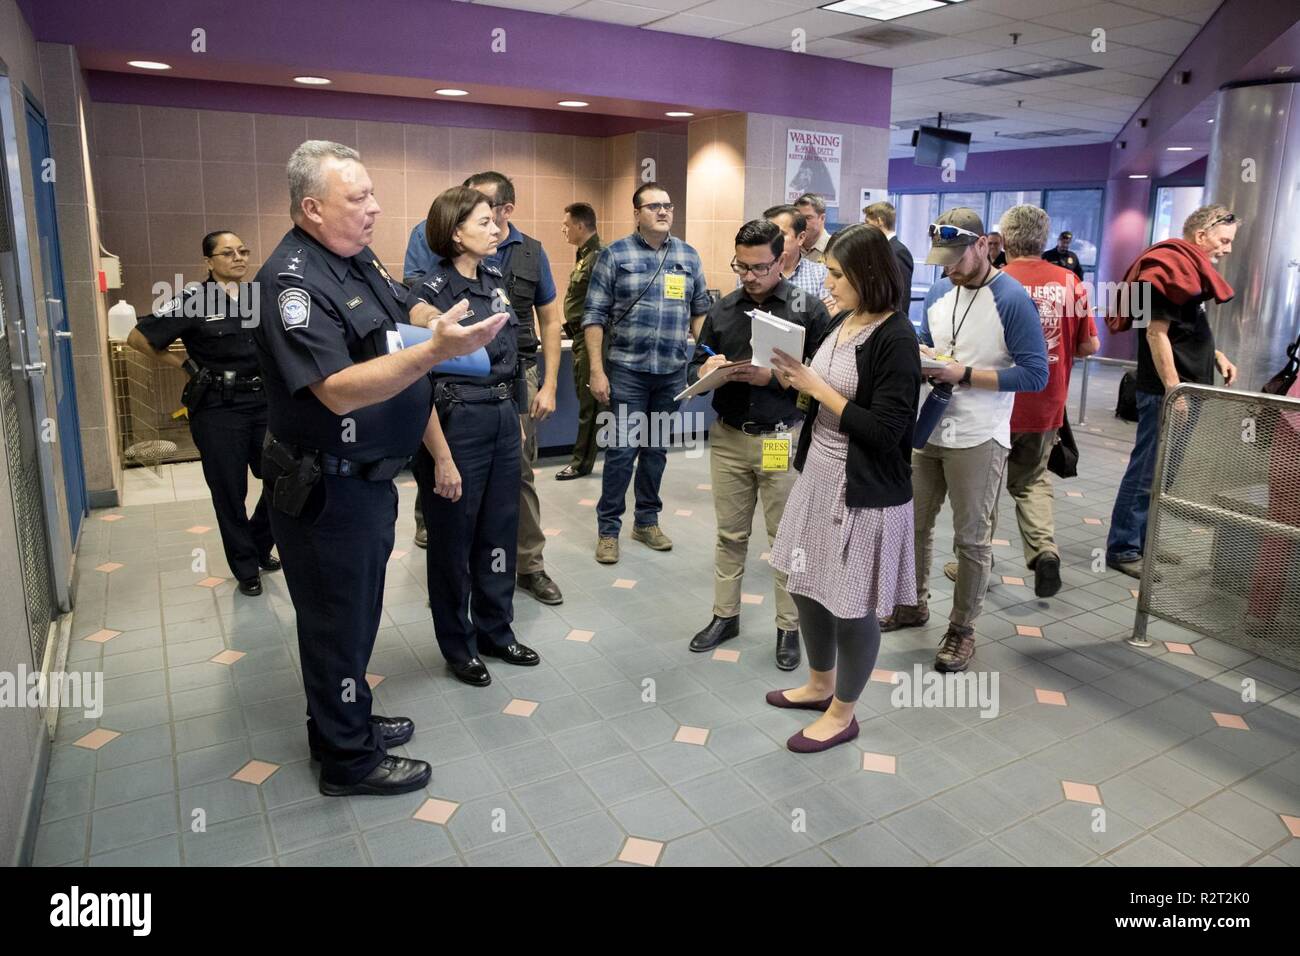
{"x":769,"y":332}
{"x":708,"y":383}
{"x":473,"y":365}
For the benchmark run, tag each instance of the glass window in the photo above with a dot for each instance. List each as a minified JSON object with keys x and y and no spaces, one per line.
{"x":1000,"y":202}
{"x":1173,"y":205}
{"x":974,"y":201}
{"x":1077,"y":211}
{"x":914,"y":213}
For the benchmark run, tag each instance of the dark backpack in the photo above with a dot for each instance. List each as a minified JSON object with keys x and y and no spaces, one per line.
{"x":1127,"y":406}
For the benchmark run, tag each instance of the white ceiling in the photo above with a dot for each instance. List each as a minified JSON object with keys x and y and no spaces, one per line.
{"x":1143,"y":37}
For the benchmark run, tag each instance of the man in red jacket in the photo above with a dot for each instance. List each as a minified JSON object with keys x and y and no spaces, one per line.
{"x":1177,"y":346}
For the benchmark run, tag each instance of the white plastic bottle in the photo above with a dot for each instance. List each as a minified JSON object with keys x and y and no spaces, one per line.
{"x":121,"y":320}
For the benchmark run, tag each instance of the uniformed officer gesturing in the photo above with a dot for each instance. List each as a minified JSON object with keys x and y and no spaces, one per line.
{"x":224,"y":397}
{"x":347,"y":406}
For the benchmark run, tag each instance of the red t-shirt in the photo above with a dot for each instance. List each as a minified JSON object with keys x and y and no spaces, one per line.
{"x":1062,"y":302}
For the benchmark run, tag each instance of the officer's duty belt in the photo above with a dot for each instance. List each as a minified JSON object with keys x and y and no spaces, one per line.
{"x":471,"y":394}
{"x":287,"y":456}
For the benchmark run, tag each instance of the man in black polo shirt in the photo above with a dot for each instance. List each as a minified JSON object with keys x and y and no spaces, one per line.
{"x":756,"y":414}
{"x":1063,"y":257}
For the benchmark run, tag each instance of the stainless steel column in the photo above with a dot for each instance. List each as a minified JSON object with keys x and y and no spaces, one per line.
{"x":1254,"y":170}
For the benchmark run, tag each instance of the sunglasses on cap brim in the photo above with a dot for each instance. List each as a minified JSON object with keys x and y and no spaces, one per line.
{"x":1227,"y":220}
{"x":946,"y":233}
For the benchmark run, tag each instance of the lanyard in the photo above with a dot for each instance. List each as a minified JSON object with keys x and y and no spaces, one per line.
{"x":956,"y":326}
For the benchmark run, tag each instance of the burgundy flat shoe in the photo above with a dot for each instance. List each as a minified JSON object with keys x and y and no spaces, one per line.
{"x":777,"y":698}
{"x":806,"y":745}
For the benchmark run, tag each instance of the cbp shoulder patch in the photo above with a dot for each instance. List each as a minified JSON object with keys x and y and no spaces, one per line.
{"x":491,"y":269}
{"x":437,"y":282}
{"x":295,"y":308}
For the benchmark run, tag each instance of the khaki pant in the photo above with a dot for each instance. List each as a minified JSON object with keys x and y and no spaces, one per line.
{"x":584,"y":446}
{"x":972,"y":478}
{"x":736,"y":469}
{"x":1030,"y":484}
{"x":531,"y":540}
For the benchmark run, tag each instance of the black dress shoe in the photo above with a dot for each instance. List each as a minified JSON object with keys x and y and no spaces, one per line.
{"x":720,"y":629}
{"x":394,"y":775}
{"x":269,"y":563}
{"x":540,"y":586}
{"x":512,"y":654}
{"x":473,"y":672}
{"x":568,"y":473}
{"x":787,"y":649}
{"x":251,"y":586}
{"x":1047,"y":575}
{"x":395,"y":731}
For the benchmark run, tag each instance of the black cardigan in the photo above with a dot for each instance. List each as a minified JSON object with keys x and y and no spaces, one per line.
{"x":879,"y":418}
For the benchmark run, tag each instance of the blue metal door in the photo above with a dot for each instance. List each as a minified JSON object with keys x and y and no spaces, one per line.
{"x":67,"y":430}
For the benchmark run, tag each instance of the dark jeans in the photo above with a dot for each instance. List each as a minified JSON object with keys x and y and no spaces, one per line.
{"x":634,"y":399}
{"x":1128,"y":519}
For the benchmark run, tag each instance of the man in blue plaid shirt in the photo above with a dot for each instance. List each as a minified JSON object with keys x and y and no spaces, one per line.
{"x":646,"y":291}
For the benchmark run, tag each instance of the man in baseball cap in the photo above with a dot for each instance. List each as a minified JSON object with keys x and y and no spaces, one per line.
{"x":983,"y":323}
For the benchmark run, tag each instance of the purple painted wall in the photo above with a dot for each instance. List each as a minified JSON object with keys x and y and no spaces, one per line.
{"x":207,"y":95}
{"x":443,"y":41}
{"x":1010,"y":169}
{"x":1128,"y":203}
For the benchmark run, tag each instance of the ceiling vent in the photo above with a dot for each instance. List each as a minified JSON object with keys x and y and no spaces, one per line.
{"x":948,"y":119}
{"x":886,"y":37}
{"x":1026,"y":71}
{"x":1049,"y":133}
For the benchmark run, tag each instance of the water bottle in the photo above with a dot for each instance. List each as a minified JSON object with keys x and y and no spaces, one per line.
{"x":121,"y":320}
{"x":936,"y":404}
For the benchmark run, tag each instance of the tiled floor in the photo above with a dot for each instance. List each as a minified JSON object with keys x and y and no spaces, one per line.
{"x":1100,"y":754}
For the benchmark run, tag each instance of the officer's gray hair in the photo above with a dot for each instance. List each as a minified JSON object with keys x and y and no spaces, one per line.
{"x":305,"y":177}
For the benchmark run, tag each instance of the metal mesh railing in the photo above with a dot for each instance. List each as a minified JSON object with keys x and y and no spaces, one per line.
{"x":148,"y":394}
{"x":1222,"y":554}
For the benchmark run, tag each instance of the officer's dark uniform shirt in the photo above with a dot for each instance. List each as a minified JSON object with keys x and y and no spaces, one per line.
{"x":442,"y":287}
{"x":1066,"y":260}
{"x":211,"y":324}
{"x":728,"y":330}
{"x":322,"y":313}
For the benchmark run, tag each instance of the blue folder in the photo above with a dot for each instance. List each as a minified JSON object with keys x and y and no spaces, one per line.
{"x":474,"y":364}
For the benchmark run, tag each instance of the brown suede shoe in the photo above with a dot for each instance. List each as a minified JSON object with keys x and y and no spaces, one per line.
{"x":607,"y":550}
{"x":906,"y":615}
{"x":652,"y":537}
{"x":955,"y":652}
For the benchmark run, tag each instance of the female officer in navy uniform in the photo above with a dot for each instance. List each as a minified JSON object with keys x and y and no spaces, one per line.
{"x":469,"y":472}
{"x":226,"y":404}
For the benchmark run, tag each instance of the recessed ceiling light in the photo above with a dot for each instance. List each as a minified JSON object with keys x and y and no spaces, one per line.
{"x":1178,"y":149}
{"x":678,"y":114}
{"x":885,"y":9}
{"x":1209,"y":121}
{"x":1137,"y":175}
{"x":148,"y":65}
{"x":311,"y":80}
{"x":573,"y":103}
{"x":451,"y":92}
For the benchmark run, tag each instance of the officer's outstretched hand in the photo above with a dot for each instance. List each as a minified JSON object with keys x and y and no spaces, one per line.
{"x":446,"y":479}
{"x":450,"y":338}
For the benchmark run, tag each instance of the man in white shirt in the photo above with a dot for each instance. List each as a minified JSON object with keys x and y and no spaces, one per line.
{"x":985,"y":325}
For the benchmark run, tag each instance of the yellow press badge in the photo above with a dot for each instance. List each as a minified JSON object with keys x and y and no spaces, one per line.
{"x":674,"y":285}
{"x":776,"y":453}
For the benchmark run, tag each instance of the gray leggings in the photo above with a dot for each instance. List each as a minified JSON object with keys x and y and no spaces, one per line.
{"x":847,"y":646}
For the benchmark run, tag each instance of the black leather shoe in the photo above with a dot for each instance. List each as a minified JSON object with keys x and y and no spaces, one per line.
{"x":540,"y":586}
{"x":269,"y":563}
{"x":513,"y":654}
{"x":568,"y":473}
{"x":1047,"y":575}
{"x":251,"y":586}
{"x":473,"y":672}
{"x":395,"y":731}
{"x":787,"y":649}
{"x":394,"y":775}
{"x":720,"y":629}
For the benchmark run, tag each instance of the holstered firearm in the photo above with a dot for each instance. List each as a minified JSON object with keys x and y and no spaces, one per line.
{"x":196,"y":389}
{"x":300,"y":473}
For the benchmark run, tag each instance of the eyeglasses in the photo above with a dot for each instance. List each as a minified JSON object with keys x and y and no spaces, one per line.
{"x":657,"y":206}
{"x":1227,"y":220}
{"x":231,"y":254}
{"x":497,"y":205}
{"x":760,"y":270}
{"x":945,"y":233}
